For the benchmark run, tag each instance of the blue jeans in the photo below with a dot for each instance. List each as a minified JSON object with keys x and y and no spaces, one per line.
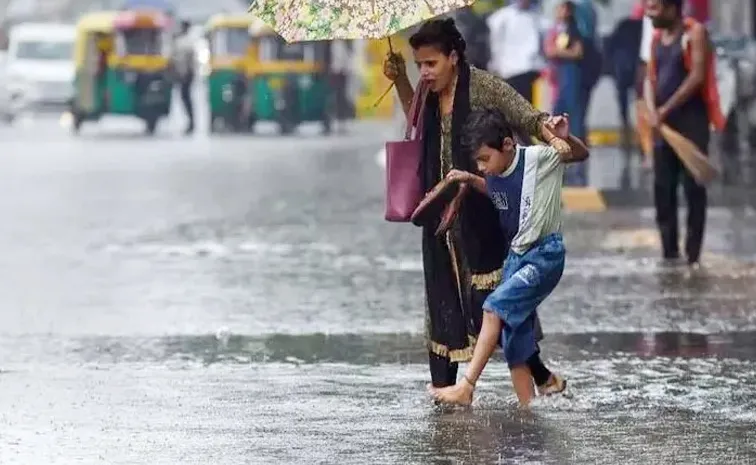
{"x":527,"y":280}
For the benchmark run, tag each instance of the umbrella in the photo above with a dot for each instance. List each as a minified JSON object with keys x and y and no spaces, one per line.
{"x":306,"y":20}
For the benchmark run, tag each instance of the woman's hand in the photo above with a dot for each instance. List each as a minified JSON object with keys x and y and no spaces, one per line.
{"x":459,"y":176}
{"x":394,"y":66}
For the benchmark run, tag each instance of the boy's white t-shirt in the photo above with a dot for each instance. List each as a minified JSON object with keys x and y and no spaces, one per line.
{"x":542,"y":178}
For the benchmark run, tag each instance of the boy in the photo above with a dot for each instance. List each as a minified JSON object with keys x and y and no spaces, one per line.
{"x":525,"y":185}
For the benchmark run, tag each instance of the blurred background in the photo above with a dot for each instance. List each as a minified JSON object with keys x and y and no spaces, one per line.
{"x":219,"y":285}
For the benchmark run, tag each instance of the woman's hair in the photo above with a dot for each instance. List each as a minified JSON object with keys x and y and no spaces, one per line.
{"x":570,"y":6}
{"x":486,"y":128}
{"x":442,"y":34}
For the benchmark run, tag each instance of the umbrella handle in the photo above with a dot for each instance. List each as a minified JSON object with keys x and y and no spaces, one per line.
{"x":391,"y":48}
{"x":383,"y":95}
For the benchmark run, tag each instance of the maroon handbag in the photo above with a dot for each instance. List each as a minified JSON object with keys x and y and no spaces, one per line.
{"x":403,"y":184}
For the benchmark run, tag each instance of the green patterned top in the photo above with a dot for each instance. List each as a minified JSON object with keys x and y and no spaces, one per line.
{"x":488,"y":91}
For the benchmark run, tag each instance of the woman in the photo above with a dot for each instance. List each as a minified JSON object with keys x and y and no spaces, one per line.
{"x":564,"y":47}
{"x":463,"y":266}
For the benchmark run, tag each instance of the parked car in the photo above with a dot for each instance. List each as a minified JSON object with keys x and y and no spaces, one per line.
{"x":39,"y":69}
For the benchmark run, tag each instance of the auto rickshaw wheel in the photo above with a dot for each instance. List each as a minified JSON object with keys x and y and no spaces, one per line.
{"x":327,"y":126}
{"x":76,"y":123}
{"x":151,"y":125}
{"x":286,"y":127}
{"x":214,"y":121}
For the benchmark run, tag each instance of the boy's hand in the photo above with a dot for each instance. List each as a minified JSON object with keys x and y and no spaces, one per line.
{"x":559,"y":125}
{"x":458,"y":176}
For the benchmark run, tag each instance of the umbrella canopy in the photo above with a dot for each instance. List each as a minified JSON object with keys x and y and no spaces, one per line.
{"x":305,"y":20}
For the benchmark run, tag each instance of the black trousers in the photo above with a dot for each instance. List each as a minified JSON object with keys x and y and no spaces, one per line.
{"x":668,"y":171}
{"x":185,"y":89}
{"x":523,"y":84}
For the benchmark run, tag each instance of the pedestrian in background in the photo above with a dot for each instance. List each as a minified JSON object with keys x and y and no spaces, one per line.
{"x":184,"y":62}
{"x":515,"y":36}
{"x":564,"y":48}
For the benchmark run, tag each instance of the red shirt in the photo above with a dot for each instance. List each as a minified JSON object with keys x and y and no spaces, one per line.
{"x":699,"y":10}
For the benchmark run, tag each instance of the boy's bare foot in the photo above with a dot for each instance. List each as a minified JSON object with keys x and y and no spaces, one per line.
{"x":555,"y":385}
{"x":459,"y":394}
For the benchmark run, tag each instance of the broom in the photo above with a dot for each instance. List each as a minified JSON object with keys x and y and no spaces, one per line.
{"x":694,"y":160}
{"x":643,"y":130}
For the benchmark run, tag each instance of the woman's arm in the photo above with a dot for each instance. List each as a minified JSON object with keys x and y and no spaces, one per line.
{"x":395,"y":69}
{"x":405,"y":92}
{"x":518,"y":112}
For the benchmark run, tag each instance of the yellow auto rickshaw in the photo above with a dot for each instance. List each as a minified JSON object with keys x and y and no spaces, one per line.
{"x":122,"y":67}
{"x":290,"y":83}
{"x":230,"y":59}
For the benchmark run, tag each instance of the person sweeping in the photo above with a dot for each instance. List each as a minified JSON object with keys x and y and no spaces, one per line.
{"x":681,"y":93}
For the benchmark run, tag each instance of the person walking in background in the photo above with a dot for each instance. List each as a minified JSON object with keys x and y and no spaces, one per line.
{"x":471,"y":22}
{"x":515,"y":34}
{"x":622,"y":50}
{"x":586,"y":20}
{"x":341,"y":60}
{"x":680,"y":92}
{"x":564,"y":47}
{"x":184,"y":62}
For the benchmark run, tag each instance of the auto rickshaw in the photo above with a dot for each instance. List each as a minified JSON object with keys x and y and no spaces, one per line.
{"x":290,"y":83}
{"x":123,"y":67}
{"x":230,"y":58}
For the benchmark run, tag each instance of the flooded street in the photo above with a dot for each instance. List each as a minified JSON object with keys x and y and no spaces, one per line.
{"x":237,"y":300}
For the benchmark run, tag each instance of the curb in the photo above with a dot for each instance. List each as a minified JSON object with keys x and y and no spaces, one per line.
{"x":592,"y":200}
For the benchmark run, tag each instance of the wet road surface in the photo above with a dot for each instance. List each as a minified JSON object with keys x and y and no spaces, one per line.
{"x":236,"y":300}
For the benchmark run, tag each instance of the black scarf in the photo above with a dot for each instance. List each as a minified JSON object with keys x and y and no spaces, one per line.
{"x":483,"y":245}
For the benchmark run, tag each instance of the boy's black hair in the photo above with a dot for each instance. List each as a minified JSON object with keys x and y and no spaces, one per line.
{"x":486,"y":128}
{"x":442,"y":34}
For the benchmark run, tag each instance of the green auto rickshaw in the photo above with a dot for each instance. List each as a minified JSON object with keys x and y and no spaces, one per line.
{"x":290,"y":83}
{"x":123,"y":67}
{"x":230,"y":59}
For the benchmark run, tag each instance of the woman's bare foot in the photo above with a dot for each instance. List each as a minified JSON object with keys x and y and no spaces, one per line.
{"x":459,"y":394}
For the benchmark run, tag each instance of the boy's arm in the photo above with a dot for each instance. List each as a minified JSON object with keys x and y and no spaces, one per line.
{"x":477,"y":182}
{"x":578,"y":151}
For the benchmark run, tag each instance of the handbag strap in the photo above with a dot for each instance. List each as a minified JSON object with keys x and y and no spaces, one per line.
{"x":417,"y":108}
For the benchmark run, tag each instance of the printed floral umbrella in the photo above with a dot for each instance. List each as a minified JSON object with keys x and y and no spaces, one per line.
{"x":306,"y":20}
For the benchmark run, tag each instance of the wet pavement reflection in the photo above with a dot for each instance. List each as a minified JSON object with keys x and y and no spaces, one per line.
{"x":240,"y":300}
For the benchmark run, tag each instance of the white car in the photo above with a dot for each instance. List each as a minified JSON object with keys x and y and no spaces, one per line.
{"x":38,"y":73}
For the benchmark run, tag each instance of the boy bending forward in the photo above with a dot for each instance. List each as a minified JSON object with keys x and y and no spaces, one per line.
{"x":525,"y":185}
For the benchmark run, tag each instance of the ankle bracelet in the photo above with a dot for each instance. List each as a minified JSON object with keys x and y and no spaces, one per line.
{"x":468,"y":380}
